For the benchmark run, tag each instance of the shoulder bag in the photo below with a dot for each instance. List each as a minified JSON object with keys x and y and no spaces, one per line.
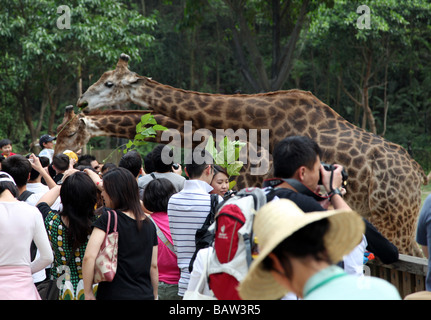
{"x":106,"y":261}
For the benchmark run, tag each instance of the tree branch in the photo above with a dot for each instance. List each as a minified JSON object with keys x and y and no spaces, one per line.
{"x":348,"y":93}
{"x":286,"y":60}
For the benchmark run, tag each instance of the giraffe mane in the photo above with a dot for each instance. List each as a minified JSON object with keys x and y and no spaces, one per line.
{"x":279,"y":92}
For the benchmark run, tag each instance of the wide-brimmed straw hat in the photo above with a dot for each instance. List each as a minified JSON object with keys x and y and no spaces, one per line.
{"x":278,"y":220}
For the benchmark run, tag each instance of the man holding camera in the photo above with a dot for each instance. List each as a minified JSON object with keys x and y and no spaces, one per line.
{"x":299,"y":177}
{"x":298,"y":174}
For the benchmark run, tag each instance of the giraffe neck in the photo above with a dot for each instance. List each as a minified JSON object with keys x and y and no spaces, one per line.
{"x":283,"y":113}
{"x":115,"y":124}
{"x":205,"y":110}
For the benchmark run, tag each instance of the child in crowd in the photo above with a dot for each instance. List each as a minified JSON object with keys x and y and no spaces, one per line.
{"x":46,"y":142}
{"x":6,"y":148}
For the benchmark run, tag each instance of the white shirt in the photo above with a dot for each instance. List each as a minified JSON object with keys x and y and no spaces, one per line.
{"x":21,"y":223}
{"x":202,"y":259}
{"x":49,"y":153}
{"x":354,"y":261}
{"x":187,"y":211}
{"x":37,"y":187}
{"x":38,"y":193}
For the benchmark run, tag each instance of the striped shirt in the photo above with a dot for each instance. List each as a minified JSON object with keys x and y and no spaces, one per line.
{"x":187,"y":211}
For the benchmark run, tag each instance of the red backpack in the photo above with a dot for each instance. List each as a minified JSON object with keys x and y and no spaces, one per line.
{"x":233,"y":242}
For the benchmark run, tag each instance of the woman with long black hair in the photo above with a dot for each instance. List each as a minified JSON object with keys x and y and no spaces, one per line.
{"x":69,"y":229}
{"x":137,"y":274}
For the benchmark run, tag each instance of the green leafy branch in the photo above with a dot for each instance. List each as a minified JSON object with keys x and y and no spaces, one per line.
{"x":145,"y":129}
{"x":227,"y":157}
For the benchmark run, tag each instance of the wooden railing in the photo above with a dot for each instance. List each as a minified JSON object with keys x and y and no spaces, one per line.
{"x":407,"y":274}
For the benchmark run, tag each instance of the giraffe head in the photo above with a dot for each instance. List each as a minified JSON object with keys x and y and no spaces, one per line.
{"x":115,"y":87}
{"x":71,"y":133}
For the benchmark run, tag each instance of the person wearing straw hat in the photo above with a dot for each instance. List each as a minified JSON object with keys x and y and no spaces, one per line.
{"x":297,"y":251}
{"x":297,"y":168}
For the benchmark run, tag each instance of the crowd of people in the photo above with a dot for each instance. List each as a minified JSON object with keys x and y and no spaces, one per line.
{"x":54,"y":211}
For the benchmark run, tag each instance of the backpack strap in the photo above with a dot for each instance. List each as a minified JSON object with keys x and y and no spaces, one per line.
{"x":294,"y":185}
{"x":153,"y":175}
{"x":213,"y":206}
{"x":25,"y":195}
{"x":162,"y":236}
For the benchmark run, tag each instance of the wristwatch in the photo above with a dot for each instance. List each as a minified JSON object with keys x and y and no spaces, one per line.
{"x":334,"y":192}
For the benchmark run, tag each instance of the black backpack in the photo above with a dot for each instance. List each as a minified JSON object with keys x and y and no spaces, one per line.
{"x":203,"y":237}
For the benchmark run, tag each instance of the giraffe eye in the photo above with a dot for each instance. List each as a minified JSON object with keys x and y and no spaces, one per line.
{"x":109,"y":84}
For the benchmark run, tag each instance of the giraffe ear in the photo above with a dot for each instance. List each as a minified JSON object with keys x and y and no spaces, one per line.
{"x":83,"y":122}
{"x":132,"y":78}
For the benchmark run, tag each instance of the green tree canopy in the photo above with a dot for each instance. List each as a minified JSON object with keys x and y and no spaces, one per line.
{"x":42,"y":63}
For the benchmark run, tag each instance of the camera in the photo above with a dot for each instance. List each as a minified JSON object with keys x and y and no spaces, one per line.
{"x":331,"y":167}
{"x":175,"y":166}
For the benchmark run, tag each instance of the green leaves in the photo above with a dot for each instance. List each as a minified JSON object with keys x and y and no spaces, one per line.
{"x":228,"y":156}
{"x":145,"y":129}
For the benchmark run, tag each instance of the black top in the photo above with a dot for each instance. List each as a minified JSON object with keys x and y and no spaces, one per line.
{"x":377,"y":243}
{"x":135,"y":248}
{"x":304,"y":202}
{"x":382,"y":248}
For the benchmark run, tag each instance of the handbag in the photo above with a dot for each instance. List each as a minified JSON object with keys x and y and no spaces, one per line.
{"x":198,"y":292}
{"x":48,"y":289}
{"x":106,"y":260}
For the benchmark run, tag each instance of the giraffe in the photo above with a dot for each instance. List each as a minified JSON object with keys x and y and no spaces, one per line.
{"x":76,"y":130}
{"x":384,"y":181}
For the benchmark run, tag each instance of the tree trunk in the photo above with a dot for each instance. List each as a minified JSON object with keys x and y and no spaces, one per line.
{"x":366,"y":103}
{"x":282,"y":58}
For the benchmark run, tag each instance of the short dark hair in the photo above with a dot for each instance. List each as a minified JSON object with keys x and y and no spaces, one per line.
{"x":307,"y":241}
{"x":293,"y":152}
{"x":5,"y":142}
{"x":107,"y":166}
{"x":18,"y":167}
{"x":157,"y":159}
{"x":44,"y":161}
{"x":196,"y":162}
{"x":157,"y":193}
{"x":8,"y":185}
{"x":148,"y":163}
{"x":86,"y":159}
{"x":131,"y":161}
{"x":61,"y":161}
